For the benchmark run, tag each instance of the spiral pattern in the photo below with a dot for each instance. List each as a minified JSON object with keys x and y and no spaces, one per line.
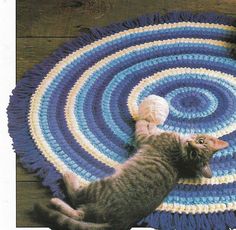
{"x":81,"y":115}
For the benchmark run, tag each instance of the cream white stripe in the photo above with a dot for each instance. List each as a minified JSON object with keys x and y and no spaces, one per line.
{"x":197,"y":208}
{"x":35,"y":100}
{"x":214,"y":180}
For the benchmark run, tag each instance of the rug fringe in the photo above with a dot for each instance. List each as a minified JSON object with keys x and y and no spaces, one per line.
{"x":177,"y":221}
{"x":23,"y":144}
{"x":156,"y":18}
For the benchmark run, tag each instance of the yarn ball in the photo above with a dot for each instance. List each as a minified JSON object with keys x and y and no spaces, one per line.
{"x":153,"y":109}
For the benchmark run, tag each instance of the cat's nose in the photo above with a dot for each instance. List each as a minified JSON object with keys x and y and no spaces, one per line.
{"x":193,"y":144}
{"x":190,"y":141}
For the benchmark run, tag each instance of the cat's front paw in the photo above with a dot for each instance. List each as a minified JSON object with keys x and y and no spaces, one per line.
{"x":142,"y":123}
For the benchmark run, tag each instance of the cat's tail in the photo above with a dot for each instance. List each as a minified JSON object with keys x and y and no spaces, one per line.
{"x":60,"y":221}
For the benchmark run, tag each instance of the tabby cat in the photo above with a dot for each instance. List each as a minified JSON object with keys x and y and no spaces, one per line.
{"x":138,"y":186}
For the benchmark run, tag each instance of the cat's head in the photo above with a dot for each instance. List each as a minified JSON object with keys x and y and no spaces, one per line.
{"x":198,"y":150}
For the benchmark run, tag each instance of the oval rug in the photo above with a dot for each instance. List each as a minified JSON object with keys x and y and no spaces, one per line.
{"x":76,"y":109}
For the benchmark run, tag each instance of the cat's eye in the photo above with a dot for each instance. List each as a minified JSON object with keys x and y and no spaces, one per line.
{"x":200,"y":141}
{"x":193,"y":154}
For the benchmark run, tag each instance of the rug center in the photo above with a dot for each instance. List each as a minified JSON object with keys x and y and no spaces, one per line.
{"x":191,"y":101}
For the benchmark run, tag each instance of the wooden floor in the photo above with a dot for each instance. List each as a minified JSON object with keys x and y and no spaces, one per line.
{"x":43,"y":25}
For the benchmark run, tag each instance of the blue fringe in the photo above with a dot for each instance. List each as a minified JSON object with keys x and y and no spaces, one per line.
{"x":153,"y":19}
{"x":30,"y":155}
{"x":176,"y":221}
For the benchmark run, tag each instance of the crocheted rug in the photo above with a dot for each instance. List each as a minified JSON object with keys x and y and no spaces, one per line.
{"x":76,"y":109}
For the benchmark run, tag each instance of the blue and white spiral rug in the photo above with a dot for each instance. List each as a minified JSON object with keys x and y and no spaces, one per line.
{"x":75,"y":111}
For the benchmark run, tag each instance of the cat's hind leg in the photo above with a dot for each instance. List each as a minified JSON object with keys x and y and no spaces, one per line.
{"x":54,"y":218}
{"x":63,"y":222}
{"x":66,"y":209}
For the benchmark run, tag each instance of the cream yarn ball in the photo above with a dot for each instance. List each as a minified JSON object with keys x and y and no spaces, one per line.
{"x":153,"y":109}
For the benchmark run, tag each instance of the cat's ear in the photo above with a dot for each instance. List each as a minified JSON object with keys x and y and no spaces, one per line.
{"x":206,"y":171}
{"x":218,"y":144}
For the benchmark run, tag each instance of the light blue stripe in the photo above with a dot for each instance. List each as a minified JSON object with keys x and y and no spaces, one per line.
{"x":188,"y":200}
